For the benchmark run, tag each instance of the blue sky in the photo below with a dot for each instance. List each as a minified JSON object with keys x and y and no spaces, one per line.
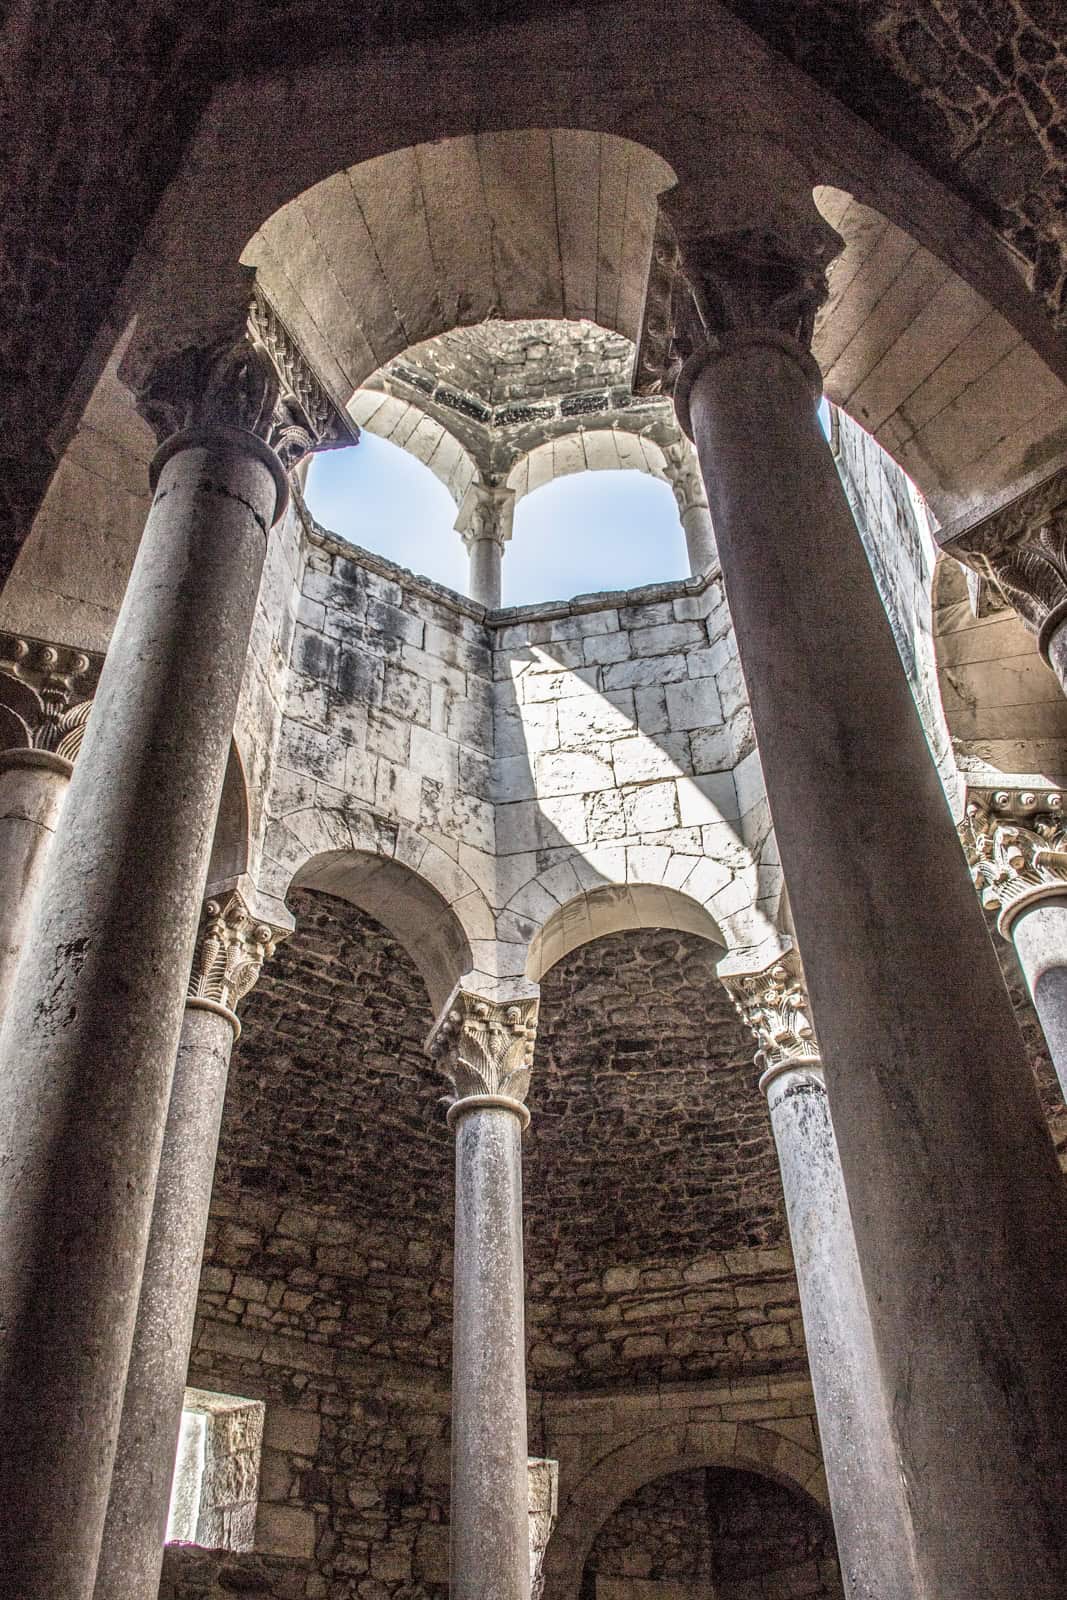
{"x":576,"y":535}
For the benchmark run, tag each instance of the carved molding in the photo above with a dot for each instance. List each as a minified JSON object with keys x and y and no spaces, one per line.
{"x":46,"y":694}
{"x":1020,"y":553}
{"x":683,"y":471}
{"x":1015,"y":841}
{"x":485,"y":1047}
{"x":259,"y":382}
{"x":487,"y":512}
{"x":773,"y":1004}
{"x":231,"y":948}
{"x":706,"y":291}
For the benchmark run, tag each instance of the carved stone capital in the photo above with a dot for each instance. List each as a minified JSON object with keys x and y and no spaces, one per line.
{"x":774,"y":1005}
{"x":1015,"y":841}
{"x":231,"y":948}
{"x":487,"y":512}
{"x":1020,"y":553}
{"x":256,"y":380}
{"x":712,"y":292}
{"x":46,"y":694}
{"x":485,"y":1047}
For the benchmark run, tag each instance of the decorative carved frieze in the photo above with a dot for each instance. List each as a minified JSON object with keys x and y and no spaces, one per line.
{"x":1015,"y":841}
{"x":485,"y":1047}
{"x":704,"y":289}
{"x":259,"y":382}
{"x":46,"y":694}
{"x":1020,"y":553}
{"x":773,"y":1004}
{"x":231,"y":948}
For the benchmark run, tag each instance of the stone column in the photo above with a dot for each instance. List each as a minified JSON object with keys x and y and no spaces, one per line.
{"x":89,"y":1040}
{"x":872,"y":1520}
{"x":684,"y":470}
{"x":1016,"y":845}
{"x":484,"y":523}
{"x":231,"y":949}
{"x":1019,"y":551}
{"x":45,"y":699}
{"x":486,"y":1050}
{"x":956,"y":1198}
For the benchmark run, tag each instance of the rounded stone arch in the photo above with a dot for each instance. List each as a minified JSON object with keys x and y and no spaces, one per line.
{"x":588,"y":449}
{"x":405,"y":882}
{"x":408,"y":426}
{"x":747,"y":1447}
{"x":616,"y":908}
{"x":1003,"y":706}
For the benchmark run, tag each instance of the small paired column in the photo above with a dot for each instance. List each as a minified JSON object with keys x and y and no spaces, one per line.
{"x":956,"y":1198}
{"x":485,"y":1048}
{"x":89,"y":1040}
{"x":1016,"y":846}
{"x":683,"y":468}
{"x":231,"y":949}
{"x":484,"y":523}
{"x":45,"y":699}
{"x":1019,"y":549}
{"x":872,"y":1520}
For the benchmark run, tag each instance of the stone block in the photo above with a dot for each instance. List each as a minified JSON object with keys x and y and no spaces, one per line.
{"x":291,"y":1430}
{"x":589,"y":717}
{"x":315,"y":656}
{"x":707,"y":800}
{"x":405,"y":695}
{"x":308,"y":750}
{"x":666,"y":639}
{"x":641,"y":759}
{"x":572,"y":772}
{"x":395,"y":622}
{"x":693,"y":704}
{"x":434,"y":756}
{"x":512,"y":779}
{"x":646,"y":616}
{"x":652,"y":808}
{"x":641,"y":673}
{"x":601,"y":649}
{"x":650,"y":706}
{"x":286,"y":1531}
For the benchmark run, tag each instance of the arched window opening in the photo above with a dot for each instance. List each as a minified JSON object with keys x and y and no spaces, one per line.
{"x":385,"y":500}
{"x":593,"y":531}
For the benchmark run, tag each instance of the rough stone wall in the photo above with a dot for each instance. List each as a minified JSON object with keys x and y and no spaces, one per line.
{"x":717,"y":1533}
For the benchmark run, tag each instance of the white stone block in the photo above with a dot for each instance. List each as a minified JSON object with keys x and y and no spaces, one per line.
{"x":516,"y":827}
{"x":644,"y":760}
{"x":361,"y":773}
{"x":434,"y":756}
{"x":707,"y":799}
{"x":651,"y":708}
{"x":526,"y":730}
{"x":397,"y":791}
{"x":693,"y":704}
{"x":666,"y":639}
{"x":646,"y":863}
{"x":652,"y":808}
{"x":512,"y":779}
{"x":605,"y":816}
{"x":596,"y":717}
{"x":644,"y":672}
{"x":560,"y":685}
{"x":607,"y":647}
{"x":561,"y":820}
{"x":572,"y":772}
{"x":748,"y":781}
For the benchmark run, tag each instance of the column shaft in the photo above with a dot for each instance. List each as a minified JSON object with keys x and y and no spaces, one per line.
{"x":131,"y":1554}
{"x":956,"y":1198}
{"x":88,"y":1044}
{"x":490,"y":1517}
{"x":1039,"y":934}
{"x":871,"y":1518}
{"x":486,"y":558}
{"x":32,"y":786}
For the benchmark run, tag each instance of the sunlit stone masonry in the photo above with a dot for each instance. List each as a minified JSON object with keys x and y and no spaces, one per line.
{"x":556,"y":1100}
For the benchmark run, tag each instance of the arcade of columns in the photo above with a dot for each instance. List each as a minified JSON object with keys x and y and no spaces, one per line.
{"x":927,"y":1222}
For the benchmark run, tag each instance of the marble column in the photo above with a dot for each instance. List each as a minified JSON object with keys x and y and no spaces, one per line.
{"x":684,"y":471}
{"x":231,"y":948}
{"x":45,"y":699}
{"x":1016,"y":845}
{"x":1019,"y":551}
{"x":484,"y":524}
{"x":872,"y":1520}
{"x":88,"y":1043}
{"x":957,"y":1201}
{"x":486,"y":1049}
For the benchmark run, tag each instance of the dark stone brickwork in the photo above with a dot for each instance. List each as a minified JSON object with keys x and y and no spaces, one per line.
{"x":739,"y":1534}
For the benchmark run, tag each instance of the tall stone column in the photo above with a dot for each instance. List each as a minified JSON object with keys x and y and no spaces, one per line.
{"x":1020,"y":551}
{"x":684,"y":471}
{"x":484,"y":523}
{"x":89,"y":1040}
{"x":957,"y":1202}
{"x":872,"y":1520}
{"x":45,"y":699}
{"x":231,"y":948}
{"x":486,"y":1050}
{"x":1016,"y":845}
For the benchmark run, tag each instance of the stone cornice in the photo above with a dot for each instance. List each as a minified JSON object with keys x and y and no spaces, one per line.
{"x":231,"y":947}
{"x":1019,"y":550}
{"x":1015,"y":841}
{"x":773,"y":1004}
{"x":485,"y":1047}
{"x":46,"y":694}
